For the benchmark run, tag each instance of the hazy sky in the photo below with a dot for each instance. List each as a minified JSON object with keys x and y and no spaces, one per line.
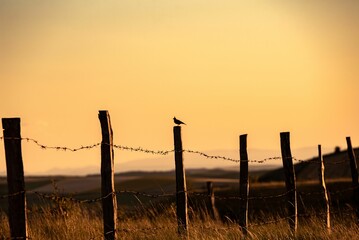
{"x":224,"y":67}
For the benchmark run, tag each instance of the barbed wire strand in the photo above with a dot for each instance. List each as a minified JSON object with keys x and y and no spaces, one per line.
{"x":57,"y":197}
{"x":162,"y":152}
{"x":239,"y":198}
{"x":138,"y":149}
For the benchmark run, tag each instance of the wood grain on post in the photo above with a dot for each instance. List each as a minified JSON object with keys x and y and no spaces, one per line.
{"x":181,"y":189}
{"x":324,"y":187}
{"x":289,"y":180}
{"x":211,"y":201}
{"x":109,"y":203}
{"x":15,"y":178}
{"x":243,"y":184}
{"x":354,"y":172}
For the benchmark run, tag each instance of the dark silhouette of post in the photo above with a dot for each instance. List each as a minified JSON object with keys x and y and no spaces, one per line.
{"x":289,"y":180}
{"x":109,"y":203}
{"x":181,"y":189}
{"x":243,"y":184}
{"x":15,"y":178}
{"x":324,"y":187}
{"x":354,"y":172}
{"x":212,"y":205}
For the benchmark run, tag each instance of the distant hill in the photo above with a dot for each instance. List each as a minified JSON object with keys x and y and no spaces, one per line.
{"x":336,"y":166}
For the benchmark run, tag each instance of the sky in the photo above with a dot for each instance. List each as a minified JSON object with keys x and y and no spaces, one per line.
{"x":224,"y":67}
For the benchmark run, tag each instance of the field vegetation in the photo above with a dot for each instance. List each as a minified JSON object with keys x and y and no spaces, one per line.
{"x":55,"y":216}
{"x":141,"y":217}
{"x":84,"y":222}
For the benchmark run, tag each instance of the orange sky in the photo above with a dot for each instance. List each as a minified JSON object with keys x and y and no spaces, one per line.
{"x":224,"y":67}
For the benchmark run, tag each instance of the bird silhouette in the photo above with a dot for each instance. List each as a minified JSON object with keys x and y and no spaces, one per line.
{"x":178,"y":122}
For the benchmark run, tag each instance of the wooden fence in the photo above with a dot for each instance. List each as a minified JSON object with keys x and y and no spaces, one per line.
{"x":17,"y":197}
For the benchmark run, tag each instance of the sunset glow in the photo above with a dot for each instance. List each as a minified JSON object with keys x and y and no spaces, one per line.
{"x":224,"y":67}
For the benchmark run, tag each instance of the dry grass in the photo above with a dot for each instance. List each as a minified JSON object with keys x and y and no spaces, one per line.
{"x":85,"y":222}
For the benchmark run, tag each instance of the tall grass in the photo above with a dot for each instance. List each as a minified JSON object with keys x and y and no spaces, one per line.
{"x":85,"y":222}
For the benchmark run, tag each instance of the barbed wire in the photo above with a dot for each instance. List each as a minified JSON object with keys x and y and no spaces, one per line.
{"x":87,"y":147}
{"x":42,"y":146}
{"x":239,"y":198}
{"x":57,"y":197}
{"x":140,"y":149}
{"x":164,"y":195}
{"x":164,"y":152}
{"x":11,"y":195}
{"x":135,"y":149}
{"x":230,"y":159}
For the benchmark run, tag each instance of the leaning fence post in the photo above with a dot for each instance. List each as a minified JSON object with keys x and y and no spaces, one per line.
{"x":211,"y":200}
{"x":109,"y":203}
{"x":181,"y":190}
{"x":354,"y":172}
{"x":244,"y":185}
{"x":289,"y":180}
{"x":324,"y":187}
{"x":15,"y":178}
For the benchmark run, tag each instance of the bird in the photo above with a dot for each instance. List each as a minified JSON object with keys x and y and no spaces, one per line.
{"x":178,"y":122}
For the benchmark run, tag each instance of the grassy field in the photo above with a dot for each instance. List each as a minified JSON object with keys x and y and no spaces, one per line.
{"x":141,"y":217}
{"x":85,"y":223}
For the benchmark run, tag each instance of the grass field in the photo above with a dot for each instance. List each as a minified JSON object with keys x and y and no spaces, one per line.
{"x":85,"y":223}
{"x":141,"y":217}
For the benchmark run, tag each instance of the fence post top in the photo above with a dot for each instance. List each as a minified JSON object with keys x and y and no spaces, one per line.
{"x":284,"y":133}
{"x":13,"y":118}
{"x":11,"y":124}
{"x":6,"y":120}
{"x":103,"y":112}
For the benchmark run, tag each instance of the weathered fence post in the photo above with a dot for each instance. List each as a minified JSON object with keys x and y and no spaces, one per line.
{"x":289,"y":180}
{"x":181,"y":189}
{"x":211,"y":201}
{"x":324,"y":187}
{"x":15,"y":178}
{"x":109,"y":203}
{"x":354,"y":171}
{"x":244,"y":185}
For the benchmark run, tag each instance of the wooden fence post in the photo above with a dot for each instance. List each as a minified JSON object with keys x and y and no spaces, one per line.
{"x":324,"y":187}
{"x":15,"y":178}
{"x":181,"y":189}
{"x":109,"y":203}
{"x":211,"y":200}
{"x":289,"y":180}
{"x":354,"y":172}
{"x":244,"y":185}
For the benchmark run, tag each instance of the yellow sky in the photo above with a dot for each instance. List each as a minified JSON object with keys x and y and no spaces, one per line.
{"x":224,"y":67}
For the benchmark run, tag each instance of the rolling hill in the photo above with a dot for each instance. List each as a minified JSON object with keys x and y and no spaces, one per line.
{"x":336,"y":167}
